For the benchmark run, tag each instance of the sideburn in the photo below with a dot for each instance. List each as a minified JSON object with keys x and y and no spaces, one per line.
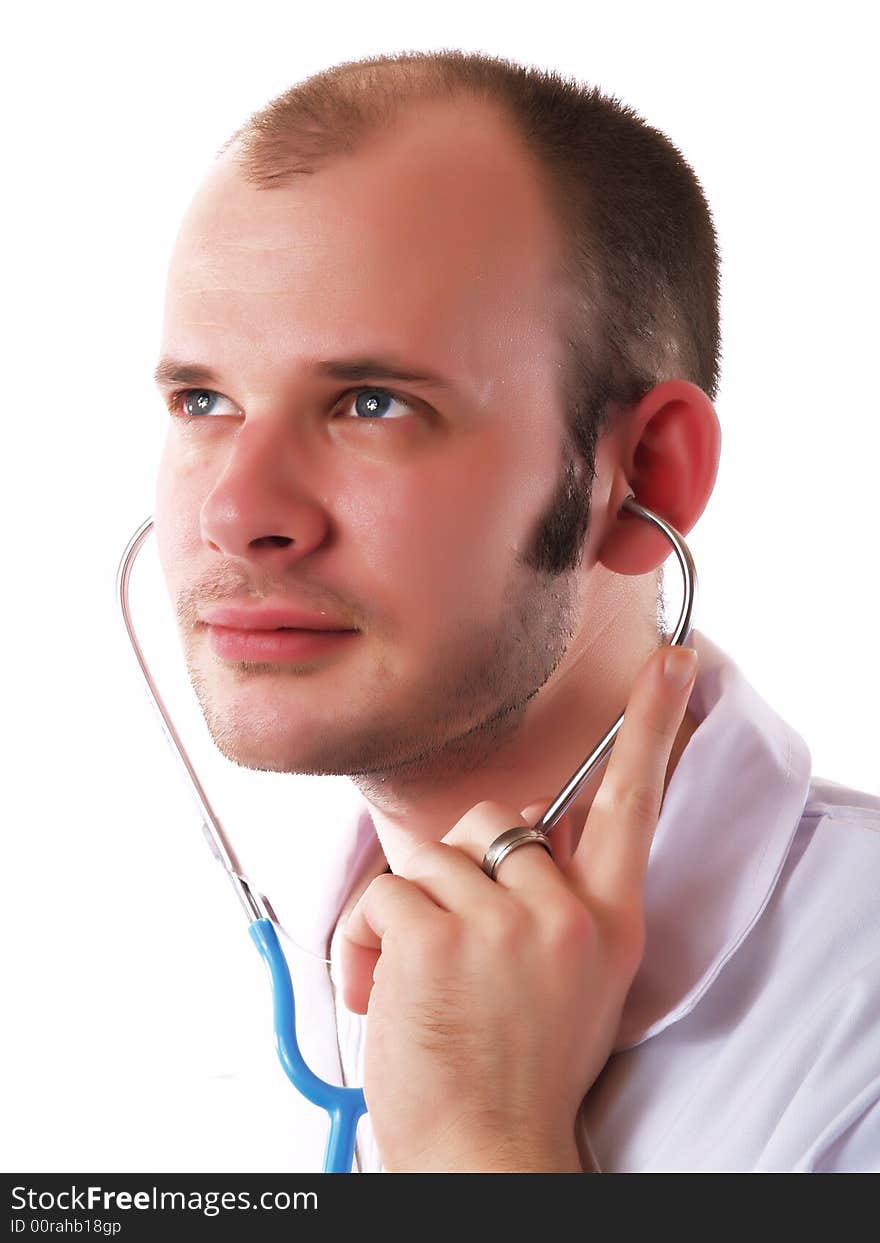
{"x":557,"y":542}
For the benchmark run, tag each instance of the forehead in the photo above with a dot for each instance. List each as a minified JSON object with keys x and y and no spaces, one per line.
{"x":436,"y":236}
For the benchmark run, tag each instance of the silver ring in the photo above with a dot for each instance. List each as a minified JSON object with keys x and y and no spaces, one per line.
{"x":510,"y":840}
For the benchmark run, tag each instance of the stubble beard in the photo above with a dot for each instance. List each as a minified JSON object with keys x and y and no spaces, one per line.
{"x":465,"y":707}
{"x":470,"y":701}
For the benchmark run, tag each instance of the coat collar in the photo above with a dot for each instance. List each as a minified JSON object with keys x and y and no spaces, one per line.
{"x":731,"y":810}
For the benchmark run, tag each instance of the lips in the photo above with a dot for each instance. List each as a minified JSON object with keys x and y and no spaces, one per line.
{"x":296,"y":646}
{"x":273,"y":618}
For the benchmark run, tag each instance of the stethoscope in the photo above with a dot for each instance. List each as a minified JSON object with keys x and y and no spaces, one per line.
{"x":345,"y":1106}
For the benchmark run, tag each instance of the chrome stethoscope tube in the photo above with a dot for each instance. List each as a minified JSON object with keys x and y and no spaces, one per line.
{"x":680,"y":635}
{"x":346,"y":1105}
{"x":255,"y":905}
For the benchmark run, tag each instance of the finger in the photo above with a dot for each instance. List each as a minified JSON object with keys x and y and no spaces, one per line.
{"x":528,"y":871}
{"x":388,"y":903}
{"x":358,"y":967}
{"x":611,"y":859}
{"x":450,"y":876}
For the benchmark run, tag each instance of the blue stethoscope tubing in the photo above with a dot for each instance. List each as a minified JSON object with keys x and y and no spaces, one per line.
{"x":345,"y":1106}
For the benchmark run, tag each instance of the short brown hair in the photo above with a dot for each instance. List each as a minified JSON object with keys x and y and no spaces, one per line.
{"x":643,"y":262}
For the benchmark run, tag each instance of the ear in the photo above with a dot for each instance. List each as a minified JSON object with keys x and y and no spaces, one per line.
{"x":666,"y":451}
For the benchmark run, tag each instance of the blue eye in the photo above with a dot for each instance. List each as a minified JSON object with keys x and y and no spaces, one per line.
{"x":193,"y":402}
{"x":198,"y":402}
{"x":368,"y":403}
{"x":374,"y":403}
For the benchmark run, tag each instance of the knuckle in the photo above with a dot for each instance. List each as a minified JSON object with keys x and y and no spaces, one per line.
{"x":639,"y":802}
{"x":385,"y":880}
{"x":633,"y":801}
{"x":569,"y":928}
{"x":657,"y":730}
{"x":507,"y":929}
{"x":425,"y":858}
{"x":378,"y":888}
{"x":488,"y":813}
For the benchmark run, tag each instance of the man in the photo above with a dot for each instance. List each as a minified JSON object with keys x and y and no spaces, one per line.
{"x":430,"y":320}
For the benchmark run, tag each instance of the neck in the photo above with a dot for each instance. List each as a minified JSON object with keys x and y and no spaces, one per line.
{"x":528,"y":756}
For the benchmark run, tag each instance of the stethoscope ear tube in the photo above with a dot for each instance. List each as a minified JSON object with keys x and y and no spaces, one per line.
{"x":680,"y":635}
{"x":218,"y":841}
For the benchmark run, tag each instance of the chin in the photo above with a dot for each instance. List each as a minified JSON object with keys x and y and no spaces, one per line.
{"x":261,"y":753}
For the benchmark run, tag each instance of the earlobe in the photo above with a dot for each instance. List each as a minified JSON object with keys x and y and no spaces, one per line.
{"x":669,"y":462}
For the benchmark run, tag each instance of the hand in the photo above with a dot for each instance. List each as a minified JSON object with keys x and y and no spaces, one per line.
{"x":493,"y":1005}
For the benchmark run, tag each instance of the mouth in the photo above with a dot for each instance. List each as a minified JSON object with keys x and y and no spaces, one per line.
{"x":281,"y":643}
{"x":273,"y":618}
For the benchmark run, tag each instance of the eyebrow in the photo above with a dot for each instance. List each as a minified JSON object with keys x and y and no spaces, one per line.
{"x":175,"y":371}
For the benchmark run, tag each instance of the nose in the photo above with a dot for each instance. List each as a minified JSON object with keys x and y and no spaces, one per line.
{"x":262,"y":505}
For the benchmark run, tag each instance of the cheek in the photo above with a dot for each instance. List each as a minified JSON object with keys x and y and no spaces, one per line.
{"x":180,"y":485}
{"x":439,"y":541}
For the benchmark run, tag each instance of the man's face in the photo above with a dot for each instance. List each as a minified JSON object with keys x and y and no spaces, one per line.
{"x":401,"y":507}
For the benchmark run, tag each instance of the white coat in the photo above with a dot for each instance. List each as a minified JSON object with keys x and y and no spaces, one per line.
{"x":750,"y":1039}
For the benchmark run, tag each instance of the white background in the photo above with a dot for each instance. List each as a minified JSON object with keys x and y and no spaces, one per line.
{"x":133,"y":995}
